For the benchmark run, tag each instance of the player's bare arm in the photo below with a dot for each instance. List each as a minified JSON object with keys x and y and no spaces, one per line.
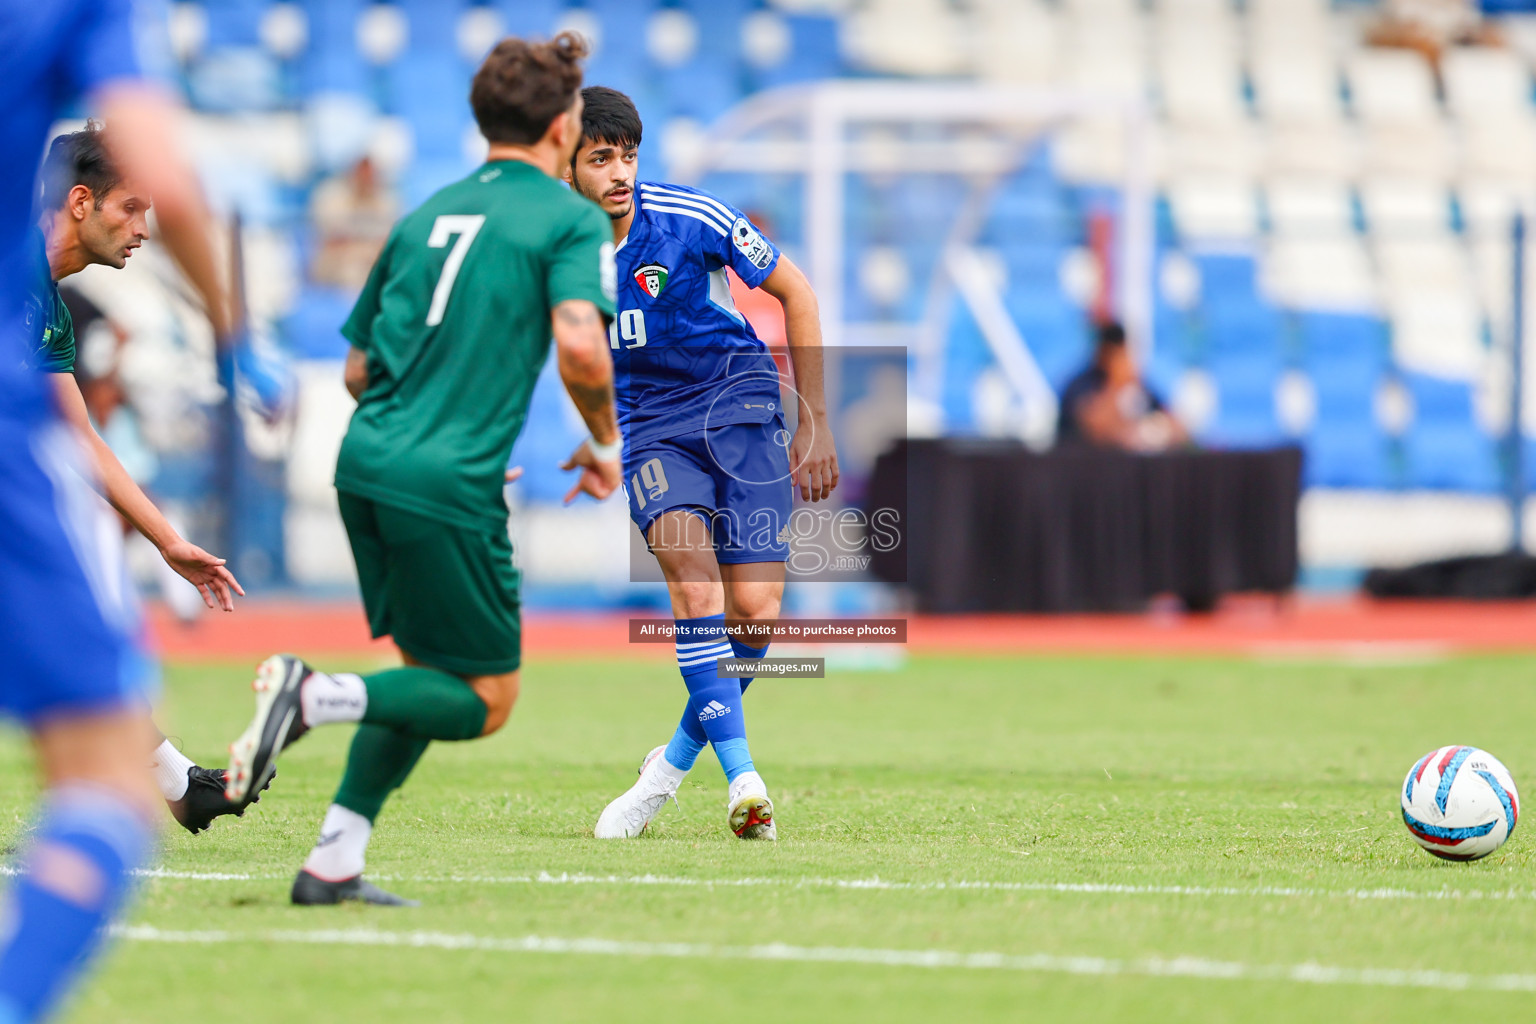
{"x":812,"y":453}
{"x":145,"y":142}
{"x":204,"y":571}
{"x":586,"y":368}
{"x":355,"y":373}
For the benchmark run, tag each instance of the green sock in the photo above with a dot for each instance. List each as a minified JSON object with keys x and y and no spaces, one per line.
{"x":378,"y":764}
{"x":424,"y":703}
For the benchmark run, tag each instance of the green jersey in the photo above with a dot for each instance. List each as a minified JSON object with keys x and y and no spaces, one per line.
{"x":50,"y":329}
{"x":455,"y":323}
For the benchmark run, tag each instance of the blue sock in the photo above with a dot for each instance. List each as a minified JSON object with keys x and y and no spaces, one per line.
{"x":73,"y":881}
{"x":687,"y":742}
{"x":714,"y":704}
{"x":689,"y":739}
{"x":741,"y":650}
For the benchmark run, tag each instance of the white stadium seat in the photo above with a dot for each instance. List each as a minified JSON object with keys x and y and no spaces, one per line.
{"x":1018,"y":42}
{"x":1319,"y":272}
{"x":1399,"y":208}
{"x":1486,"y":84}
{"x":1500,"y":149}
{"x":1309,"y":207}
{"x":1392,"y":88}
{"x":1297,"y":89}
{"x":1425,"y":151}
{"x":1329,"y":150}
{"x":1201,"y":86}
{"x":1234,"y":150}
{"x":1214,"y":209}
{"x":1438,"y":333}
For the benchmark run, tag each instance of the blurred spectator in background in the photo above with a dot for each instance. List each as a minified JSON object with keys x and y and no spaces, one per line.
{"x":1108,"y":405}
{"x":352,"y":215}
{"x":1429,"y":26}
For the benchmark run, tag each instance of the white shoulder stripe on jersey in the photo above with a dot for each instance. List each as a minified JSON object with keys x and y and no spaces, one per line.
{"x":684,"y":212}
{"x":662,"y":192}
{"x":692,"y":204}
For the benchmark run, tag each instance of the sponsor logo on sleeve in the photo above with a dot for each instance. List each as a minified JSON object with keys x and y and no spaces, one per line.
{"x":752,"y":245}
{"x":651,"y":278}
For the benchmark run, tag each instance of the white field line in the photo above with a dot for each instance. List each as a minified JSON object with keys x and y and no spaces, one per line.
{"x":886,"y":885}
{"x":935,"y":959}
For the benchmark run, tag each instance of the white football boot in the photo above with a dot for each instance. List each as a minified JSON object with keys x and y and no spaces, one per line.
{"x":750,"y":811}
{"x":628,"y":815}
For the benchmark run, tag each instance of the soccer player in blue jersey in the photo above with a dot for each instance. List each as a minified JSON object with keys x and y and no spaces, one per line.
{"x":709,"y":465}
{"x":73,"y":675}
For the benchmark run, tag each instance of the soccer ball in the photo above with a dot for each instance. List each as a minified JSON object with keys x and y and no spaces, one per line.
{"x":1460,"y":803}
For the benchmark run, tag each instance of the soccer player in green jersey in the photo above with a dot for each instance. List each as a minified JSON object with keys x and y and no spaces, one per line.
{"x":92,"y":215}
{"x":448,"y":338}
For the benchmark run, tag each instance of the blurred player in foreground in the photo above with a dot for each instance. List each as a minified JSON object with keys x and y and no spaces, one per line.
{"x":92,"y":215}
{"x":448,"y":338}
{"x":74,"y":676}
{"x":710,"y":466}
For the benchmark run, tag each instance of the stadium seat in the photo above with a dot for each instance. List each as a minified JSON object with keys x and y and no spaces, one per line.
{"x":813,"y":53}
{"x":313,"y":329}
{"x":1245,"y":400}
{"x":1309,"y":206}
{"x":430,"y":92}
{"x":1321,"y":273}
{"x":1297,"y":87}
{"x":1486,"y":84}
{"x":1236,"y":325}
{"x":1444,"y":447}
{"x":234,"y":22}
{"x":530,"y":18}
{"x":1392,"y":88}
{"x":1214,"y":210}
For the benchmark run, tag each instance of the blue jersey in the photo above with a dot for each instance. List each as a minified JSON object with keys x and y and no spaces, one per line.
{"x":684,"y":358}
{"x":56,"y":52}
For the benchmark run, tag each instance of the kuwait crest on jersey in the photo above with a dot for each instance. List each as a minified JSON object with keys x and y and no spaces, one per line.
{"x":652,"y":277}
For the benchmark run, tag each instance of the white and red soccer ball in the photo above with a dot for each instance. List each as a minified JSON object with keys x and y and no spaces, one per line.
{"x":1460,"y":803}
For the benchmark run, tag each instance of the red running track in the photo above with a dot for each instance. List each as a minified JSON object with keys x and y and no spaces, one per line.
{"x":1248,"y":626}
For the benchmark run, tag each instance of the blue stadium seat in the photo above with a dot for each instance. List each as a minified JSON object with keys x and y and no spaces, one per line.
{"x":313,"y":329}
{"x":425,"y":177}
{"x":1245,"y":405}
{"x":332,"y":63}
{"x":431,"y":91}
{"x":1343,"y":335}
{"x":1240,"y":326}
{"x":434,"y":24}
{"x":702,"y":89}
{"x":546,"y":440}
{"x":1055,"y":331}
{"x":813,"y":53}
{"x":530,"y":18}
{"x":1227,"y":277}
{"x":1444,"y":447}
{"x":234,"y":22}
{"x":1347,"y":446}
{"x":966,"y":355}
{"x":719,"y":24}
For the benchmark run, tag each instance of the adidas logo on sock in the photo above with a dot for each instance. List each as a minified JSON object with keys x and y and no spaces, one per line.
{"x":714,"y":709}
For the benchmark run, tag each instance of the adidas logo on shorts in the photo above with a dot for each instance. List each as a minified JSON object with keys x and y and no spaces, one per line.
{"x":714,"y":709}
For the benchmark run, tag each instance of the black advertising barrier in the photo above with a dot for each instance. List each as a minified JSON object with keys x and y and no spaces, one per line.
{"x":992,"y":526}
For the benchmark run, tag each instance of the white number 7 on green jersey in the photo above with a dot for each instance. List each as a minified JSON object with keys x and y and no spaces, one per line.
{"x":466,"y":226}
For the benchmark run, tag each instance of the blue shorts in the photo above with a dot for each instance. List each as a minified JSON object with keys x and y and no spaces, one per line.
{"x":735,"y":478}
{"x":70,"y":641}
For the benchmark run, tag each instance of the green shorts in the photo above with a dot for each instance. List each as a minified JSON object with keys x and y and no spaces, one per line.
{"x":447,"y":594}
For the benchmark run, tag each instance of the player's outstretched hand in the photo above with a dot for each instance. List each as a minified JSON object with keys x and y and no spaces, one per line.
{"x":205,"y":572}
{"x":598,"y":478}
{"x":814,"y":458}
{"x":514,"y":474}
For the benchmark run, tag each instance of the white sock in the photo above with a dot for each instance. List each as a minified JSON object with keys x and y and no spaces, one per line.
{"x":668,"y":771}
{"x":338,"y":853}
{"x":338,"y":697}
{"x":170,"y":767}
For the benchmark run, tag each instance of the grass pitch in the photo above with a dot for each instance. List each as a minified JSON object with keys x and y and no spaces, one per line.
{"x":1195,"y":839}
